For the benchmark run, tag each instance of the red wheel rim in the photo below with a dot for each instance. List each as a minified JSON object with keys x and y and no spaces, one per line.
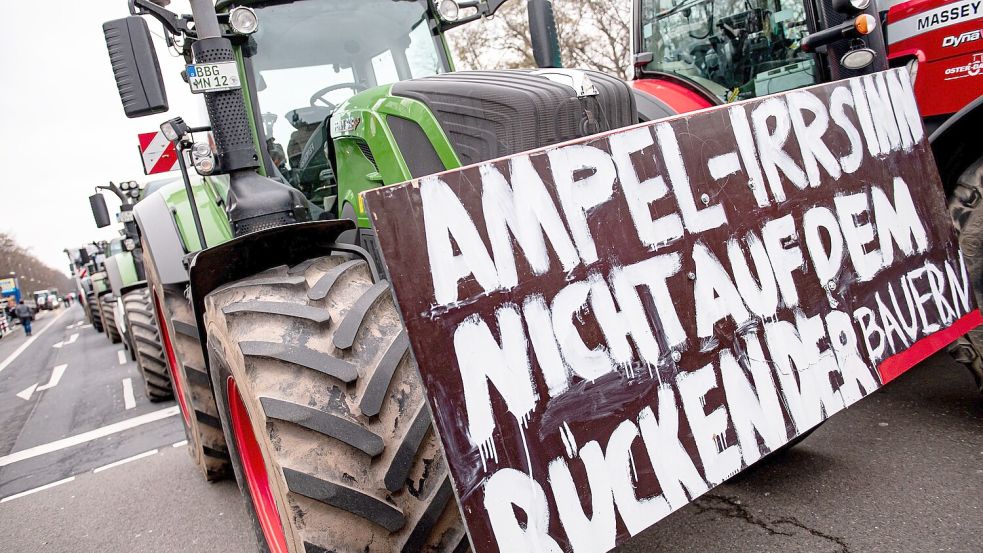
{"x":254,"y":471}
{"x":171,"y":360}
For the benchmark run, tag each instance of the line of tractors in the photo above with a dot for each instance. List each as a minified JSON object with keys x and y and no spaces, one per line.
{"x":248,"y":288}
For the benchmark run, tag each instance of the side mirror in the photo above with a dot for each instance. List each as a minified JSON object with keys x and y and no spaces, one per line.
{"x":542,"y":34}
{"x":99,"y":210}
{"x":135,"y":66}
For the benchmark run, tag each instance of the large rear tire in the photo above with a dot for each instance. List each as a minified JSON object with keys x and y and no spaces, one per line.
{"x":94,"y":311}
{"x":966,"y":209}
{"x":146,"y":344}
{"x":316,"y":361}
{"x":108,"y":304}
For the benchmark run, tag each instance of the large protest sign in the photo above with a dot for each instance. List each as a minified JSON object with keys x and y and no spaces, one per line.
{"x":609,"y":328}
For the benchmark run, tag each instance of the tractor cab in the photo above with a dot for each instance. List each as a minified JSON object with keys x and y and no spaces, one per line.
{"x":307,"y":58}
{"x":733,"y":49}
{"x":350,"y":95}
{"x":692,"y":54}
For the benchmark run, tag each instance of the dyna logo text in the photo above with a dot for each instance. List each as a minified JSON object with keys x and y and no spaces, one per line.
{"x":971,"y":69}
{"x":953,"y":41}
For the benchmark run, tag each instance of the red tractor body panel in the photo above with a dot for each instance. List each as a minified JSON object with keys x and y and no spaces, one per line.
{"x":947,"y":40}
{"x":680,"y":98}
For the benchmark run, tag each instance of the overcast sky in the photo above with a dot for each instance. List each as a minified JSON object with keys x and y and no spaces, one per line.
{"x":62,"y":128}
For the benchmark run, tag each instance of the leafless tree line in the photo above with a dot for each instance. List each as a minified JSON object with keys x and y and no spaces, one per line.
{"x":32,"y":274}
{"x":594,"y":34}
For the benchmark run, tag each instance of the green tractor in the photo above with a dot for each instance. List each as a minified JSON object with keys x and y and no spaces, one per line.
{"x":97,"y":287}
{"x":288,"y":357}
{"x":79,"y":260}
{"x":129,"y":301}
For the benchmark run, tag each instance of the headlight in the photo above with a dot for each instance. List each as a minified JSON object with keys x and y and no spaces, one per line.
{"x":243,"y":20}
{"x":858,"y":58}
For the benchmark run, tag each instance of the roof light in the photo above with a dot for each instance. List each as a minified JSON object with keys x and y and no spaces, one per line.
{"x":449,"y":10}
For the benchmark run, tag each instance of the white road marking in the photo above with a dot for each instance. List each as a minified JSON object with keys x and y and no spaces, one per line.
{"x":121,"y":355}
{"x":56,"y":375}
{"x":86,"y":326}
{"x":26,"y":394}
{"x":127,"y":460}
{"x":84,"y":437}
{"x":128,"y":401}
{"x":182,"y":443}
{"x":10,"y":358}
{"x":38,"y":489}
{"x":72,"y":338}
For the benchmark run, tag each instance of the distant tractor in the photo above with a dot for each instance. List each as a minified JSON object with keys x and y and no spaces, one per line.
{"x":129,"y":301}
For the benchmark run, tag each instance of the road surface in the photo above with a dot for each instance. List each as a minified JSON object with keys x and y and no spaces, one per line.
{"x":84,"y":466}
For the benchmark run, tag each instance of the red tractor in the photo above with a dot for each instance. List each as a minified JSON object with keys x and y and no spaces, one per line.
{"x":693,"y":54}
{"x":942,"y":45}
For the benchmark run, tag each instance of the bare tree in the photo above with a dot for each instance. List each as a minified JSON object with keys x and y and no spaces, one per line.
{"x":31,"y":273}
{"x":594,"y":34}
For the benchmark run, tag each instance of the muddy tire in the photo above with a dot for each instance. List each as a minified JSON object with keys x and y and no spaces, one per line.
{"x":94,"y":311}
{"x":108,"y":303}
{"x":146,"y":344}
{"x":965,"y":201}
{"x":206,"y":442}
{"x":317,"y":357}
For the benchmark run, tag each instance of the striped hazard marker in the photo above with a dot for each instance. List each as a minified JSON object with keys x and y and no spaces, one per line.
{"x":159,"y":154}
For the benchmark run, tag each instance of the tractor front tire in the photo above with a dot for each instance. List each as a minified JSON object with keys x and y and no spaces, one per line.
{"x":146,"y":344}
{"x":108,"y":303}
{"x":325,"y":413}
{"x":94,"y":311}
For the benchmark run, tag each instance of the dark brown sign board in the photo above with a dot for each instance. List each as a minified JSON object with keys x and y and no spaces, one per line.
{"x":610,"y":327}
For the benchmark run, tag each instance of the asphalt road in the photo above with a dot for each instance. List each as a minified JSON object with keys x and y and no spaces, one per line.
{"x":901,"y":471}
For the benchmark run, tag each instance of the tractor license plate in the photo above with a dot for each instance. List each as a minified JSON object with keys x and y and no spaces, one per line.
{"x":213,"y":77}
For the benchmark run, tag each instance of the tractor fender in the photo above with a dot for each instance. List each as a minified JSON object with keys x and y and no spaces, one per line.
{"x":258,"y":251}
{"x":113,"y":273}
{"x":161,"y":239}
{"x":956,"y":143}
{"x":651,"y":108}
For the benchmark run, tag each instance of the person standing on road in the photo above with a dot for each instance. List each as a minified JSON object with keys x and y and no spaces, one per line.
{"x":26,"y":315}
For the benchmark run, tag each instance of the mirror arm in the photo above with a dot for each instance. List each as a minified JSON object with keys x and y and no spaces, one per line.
{"x":486,"y":8}
{"x":173,"y":23}
{"x":114,"y":189}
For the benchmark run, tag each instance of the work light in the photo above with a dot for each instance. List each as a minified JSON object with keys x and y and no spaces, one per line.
{"x":243,"y":20}
{"x":449,"y":10}
{"x":174,"y":129}
{"x":850,"y":7}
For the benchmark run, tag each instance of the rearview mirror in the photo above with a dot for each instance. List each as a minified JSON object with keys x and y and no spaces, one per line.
{"x":99,"y":210}
{"x":135,"y":66}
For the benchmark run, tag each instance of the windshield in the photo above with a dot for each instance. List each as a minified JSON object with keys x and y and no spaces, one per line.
{"x":737,"y":49}
{"x":309,"y":57}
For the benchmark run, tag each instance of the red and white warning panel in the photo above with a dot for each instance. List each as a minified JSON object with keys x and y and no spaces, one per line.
{"x":159,"y":154}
